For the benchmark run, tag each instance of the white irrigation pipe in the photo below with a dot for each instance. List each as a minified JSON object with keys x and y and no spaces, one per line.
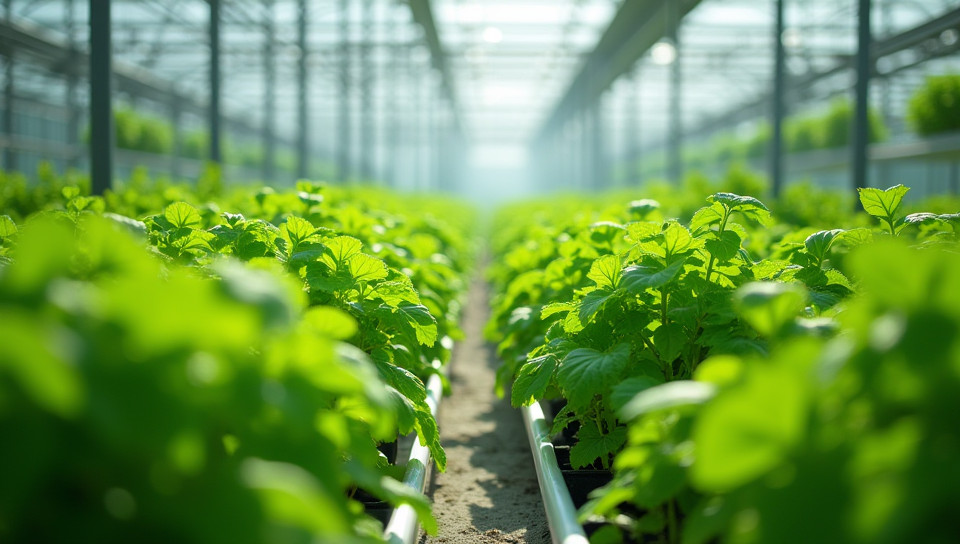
{"x":561,"y":514}
{"x":403,"y":526}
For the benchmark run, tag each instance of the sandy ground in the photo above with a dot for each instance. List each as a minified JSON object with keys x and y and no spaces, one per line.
{"x":489,"y":492}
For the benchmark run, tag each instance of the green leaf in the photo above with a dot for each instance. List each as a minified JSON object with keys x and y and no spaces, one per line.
{"x":585,"y":372}
{"x":182,"y":215}
{"x":677,"y":240}
{"x":818,"y":244}
{"x":339,"y":250}
{"x":418,"y":317}
{"x":883,"y":204}
{"x":592,"y":444}
{"x":592,"y":302}
{"x":768,"y":306}
{"x":670,"y":339}
{"x":649,"y":275}
{"x":724,"y":247}
{"x":365,"y":268}
{"x":624,"y":391}
{"x":556,"y":308}
{"x":297,"y":230}
{"x":643,"y":207}
{"x":641,"y":231}
{"x":330,"y":322}
{"x":734,"y":202}
{"x":7,"y":227}
{"x":668,"y":395}
{"x":748,"y":429}
{"x":532,"y":380}
{"x":605,"y":271}
{"x":394,"y":293}
{"x":706,"y":217}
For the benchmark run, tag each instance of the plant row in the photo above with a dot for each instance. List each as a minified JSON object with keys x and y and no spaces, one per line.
{"x":228,"y":371}
{"x":741,"y":379}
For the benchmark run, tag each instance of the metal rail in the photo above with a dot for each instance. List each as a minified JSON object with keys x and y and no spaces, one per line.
{"x":403,"y":526}
{"x":561,"y":514}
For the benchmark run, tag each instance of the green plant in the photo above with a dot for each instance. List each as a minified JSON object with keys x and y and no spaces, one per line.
{"x":934,"y":107}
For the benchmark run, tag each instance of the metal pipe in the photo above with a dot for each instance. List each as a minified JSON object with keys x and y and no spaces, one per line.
{"x":101,"y":111}
{"x":403,"y":526}
{"x":270,"y":93}
{"x":861,"y":120}
{"x":343,"y":119}
{"x":675,"y":146}
{"x":216,"y":149}
{"x":561,"y":513}
{"x":778,"y":113}
{"x":303,"y":111}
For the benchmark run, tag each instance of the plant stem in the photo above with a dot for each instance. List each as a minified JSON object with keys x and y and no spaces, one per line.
{"x":663,"y":306}
{"x":672,"y":521}
{"x":723,"y":226}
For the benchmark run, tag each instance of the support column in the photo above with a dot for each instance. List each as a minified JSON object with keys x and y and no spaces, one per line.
{"x":73,"y":82}
{"x":216,"y":148}
{"x":270,"y":94}
{"x":366,"y":92}
{"x":101,"y":112}
{"x":9,"y":156}
{"x":675,"y":145}
{"x":303,"y":112}
{"x":632,"y":136}
{"x":861,"y":121}
{"x":344,"y":135}
{"x":778,"y":113}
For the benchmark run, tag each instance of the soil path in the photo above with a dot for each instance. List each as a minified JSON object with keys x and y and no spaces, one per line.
{"x":489,"y":493}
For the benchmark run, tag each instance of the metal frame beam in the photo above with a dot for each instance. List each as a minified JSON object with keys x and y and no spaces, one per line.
{"x":423,"y":16}
{"x":101,"y":110}
{"x":636,"y":26}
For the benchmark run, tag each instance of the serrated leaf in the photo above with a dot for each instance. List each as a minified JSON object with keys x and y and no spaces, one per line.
{"x":339,"y":250}
{"x":818,"y":244}
{"x":394,"y":293}
{"x":921,"y":218}
{"x":585,"y":372}
{"x":725,"y":246}
{"x":641,"y":231}
{"x":418,"y":317}
{"x":649,"y":275}
{"x":592,"y":444}
{"x":297,"y":230}
{"x":706,"y":217}
{"x":677,"y":240}
{"x":365,"y":268}
{"x":735,"y":202}
{"x":605,"y":271}
{"x":668,"y":395}
{"x":182,"y":215}
{"x":556,"y":308}
{"x":884,"y":204}
{"x":592,"y":303}
{"x":532,"y":380}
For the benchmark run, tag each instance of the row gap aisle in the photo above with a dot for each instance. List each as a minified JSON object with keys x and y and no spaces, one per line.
{"x":489,"y":492}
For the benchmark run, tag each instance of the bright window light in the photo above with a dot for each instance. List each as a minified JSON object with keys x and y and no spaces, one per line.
{"x":663,"y":53}
{"x":492,"y":34}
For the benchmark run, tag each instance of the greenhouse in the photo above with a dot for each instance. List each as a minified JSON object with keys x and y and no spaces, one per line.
{"x":480,"y":271}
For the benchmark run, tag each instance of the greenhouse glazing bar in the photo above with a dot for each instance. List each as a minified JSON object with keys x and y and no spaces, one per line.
{"x":861,"y":120}
{"x":214,"y":30}
{"x":779,"y":109}
{"x":101,"y":112}
{"x":303,"y":146}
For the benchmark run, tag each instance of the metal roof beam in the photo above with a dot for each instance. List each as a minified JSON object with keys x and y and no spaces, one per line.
{"x":637,"y":25}
{"x":423,"y":16}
